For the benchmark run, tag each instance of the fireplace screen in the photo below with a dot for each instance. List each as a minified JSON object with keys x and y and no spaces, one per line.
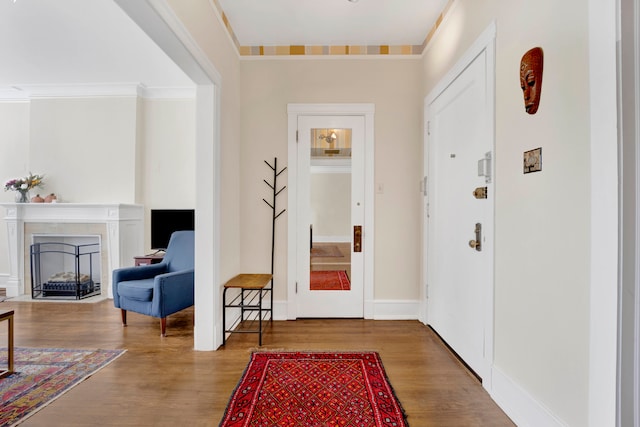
{"x":64,"y":271}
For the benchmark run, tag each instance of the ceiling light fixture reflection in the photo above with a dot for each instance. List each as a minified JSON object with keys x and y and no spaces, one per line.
{"x":330,"y":137}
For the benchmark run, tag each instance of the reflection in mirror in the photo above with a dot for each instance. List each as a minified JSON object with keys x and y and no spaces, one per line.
{"x":330,"y":203}
{"x":330,"y":143}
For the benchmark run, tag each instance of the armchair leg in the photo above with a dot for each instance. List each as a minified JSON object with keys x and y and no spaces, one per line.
{"x":124,"y":317}
{"x":163,"y":326}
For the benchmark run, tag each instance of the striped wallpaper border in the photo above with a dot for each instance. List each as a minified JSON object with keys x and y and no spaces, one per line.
{"x":336,"y":50}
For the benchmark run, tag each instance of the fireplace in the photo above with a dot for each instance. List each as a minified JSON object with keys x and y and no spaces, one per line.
{"x":118,"y":227}
{"x":65,"y":267}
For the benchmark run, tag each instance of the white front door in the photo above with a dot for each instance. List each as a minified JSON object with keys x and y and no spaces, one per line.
{"x":459,"y":223}
{"x":323,"y":136}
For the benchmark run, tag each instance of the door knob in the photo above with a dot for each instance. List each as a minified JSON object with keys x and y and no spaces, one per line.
{"x":475,"y":244}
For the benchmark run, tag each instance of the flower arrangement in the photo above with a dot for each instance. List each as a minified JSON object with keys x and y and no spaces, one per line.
{"x":23,"y":185}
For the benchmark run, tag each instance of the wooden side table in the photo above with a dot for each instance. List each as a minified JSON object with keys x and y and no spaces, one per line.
{"x":253,"y":288}
{"x":147,"y":259}
{"x":8,"y":316}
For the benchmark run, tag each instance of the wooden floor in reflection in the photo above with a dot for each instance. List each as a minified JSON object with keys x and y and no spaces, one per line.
{"x":343,"y":263}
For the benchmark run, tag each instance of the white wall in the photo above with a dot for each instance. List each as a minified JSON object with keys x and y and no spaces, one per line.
{"x":168,"y":156}
{"x":542,"y":220}
{"x":14,"y":162}
{"x":85,"y":147}
{"x":394,"y":86}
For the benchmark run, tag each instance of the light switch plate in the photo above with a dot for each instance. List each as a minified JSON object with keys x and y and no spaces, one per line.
{"x":532,"y":160}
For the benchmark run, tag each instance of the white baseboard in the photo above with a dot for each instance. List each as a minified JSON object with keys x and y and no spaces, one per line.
{"x":396,"y":309}
{"x":383,"y":310}
{"x":280,"y":310}
{"x":519,"y":405}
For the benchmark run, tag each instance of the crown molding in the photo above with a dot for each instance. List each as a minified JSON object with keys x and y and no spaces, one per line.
{"x":29,"y":92}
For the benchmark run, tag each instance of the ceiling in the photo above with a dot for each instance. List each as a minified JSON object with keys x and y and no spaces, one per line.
{"x":45,"y":42}
{"x":331,"y":22}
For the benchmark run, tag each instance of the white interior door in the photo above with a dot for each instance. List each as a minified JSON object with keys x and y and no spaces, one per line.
{"x":318,"y":302}
{"x":459,"y":276}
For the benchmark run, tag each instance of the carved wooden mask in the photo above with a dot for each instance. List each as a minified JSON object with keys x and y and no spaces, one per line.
{"x":531,"y":78}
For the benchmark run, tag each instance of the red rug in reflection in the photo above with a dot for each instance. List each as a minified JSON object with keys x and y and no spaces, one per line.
{"x":314,"y":389}
{"x":329,"y":281}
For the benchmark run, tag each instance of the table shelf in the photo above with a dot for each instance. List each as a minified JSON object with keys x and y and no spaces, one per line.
{"x":253,"y":288}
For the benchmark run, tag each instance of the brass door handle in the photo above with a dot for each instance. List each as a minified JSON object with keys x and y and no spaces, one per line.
{"x":357,"y":238}
{"x":475,"y":244}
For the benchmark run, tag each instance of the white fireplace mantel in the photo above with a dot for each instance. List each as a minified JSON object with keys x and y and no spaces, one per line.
{"x":120,"y":226}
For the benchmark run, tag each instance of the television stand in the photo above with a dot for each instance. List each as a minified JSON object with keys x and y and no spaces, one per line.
{"x":148,"y":259}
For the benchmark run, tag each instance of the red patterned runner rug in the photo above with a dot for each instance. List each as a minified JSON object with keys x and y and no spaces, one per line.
{"x":331,"y":280}
{"x":314,"y":389}
{"x":44,"y":374}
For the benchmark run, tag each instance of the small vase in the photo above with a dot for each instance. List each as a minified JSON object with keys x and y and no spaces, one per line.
{"x":22,"y":196}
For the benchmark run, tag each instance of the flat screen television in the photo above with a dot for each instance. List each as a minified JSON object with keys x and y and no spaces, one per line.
{"x":166,"y":221}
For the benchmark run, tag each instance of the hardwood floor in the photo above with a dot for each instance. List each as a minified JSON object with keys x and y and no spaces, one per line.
{"x":163,"y":382}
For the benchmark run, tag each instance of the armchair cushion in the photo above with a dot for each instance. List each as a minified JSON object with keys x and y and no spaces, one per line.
{"x":138,"y":290}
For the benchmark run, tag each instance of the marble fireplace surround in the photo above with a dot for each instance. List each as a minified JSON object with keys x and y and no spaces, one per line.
{"x":120,"y":228}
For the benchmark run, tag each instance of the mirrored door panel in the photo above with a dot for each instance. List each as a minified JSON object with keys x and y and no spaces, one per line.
{"x":330,"y":209}
{"x":329,"y":203}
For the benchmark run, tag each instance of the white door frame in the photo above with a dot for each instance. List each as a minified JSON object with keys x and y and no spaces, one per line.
{"x":485,"y":42}
{"x":367,"y":111}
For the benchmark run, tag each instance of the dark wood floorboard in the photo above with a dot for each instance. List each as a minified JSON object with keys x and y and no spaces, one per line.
{"x":164,"y":382}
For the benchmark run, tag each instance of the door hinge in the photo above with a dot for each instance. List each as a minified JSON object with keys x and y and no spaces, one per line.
{"x":297,"y":136}
{"x":296,"y":287}
{"x":429,"y":128}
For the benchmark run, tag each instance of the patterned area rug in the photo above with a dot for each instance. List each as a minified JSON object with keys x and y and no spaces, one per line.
{"x":314,"y":389}
{"x":329,"y":281}
{"x":42,"y":375}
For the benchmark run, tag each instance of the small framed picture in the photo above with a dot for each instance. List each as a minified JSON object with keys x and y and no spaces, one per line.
{"x":532,"y":160}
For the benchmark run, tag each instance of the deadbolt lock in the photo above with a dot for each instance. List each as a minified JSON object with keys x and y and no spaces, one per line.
{"x":480,"y":193}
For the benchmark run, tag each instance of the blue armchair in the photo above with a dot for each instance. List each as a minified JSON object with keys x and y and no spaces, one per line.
{"x":161,"y":289}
